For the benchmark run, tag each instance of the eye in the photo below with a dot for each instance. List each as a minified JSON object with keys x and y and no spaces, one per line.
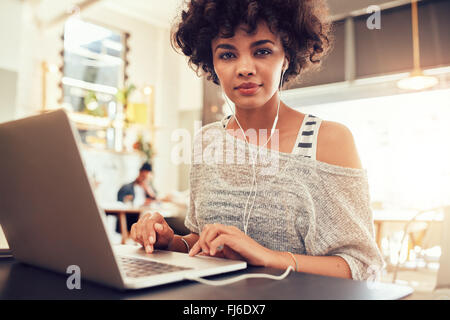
{"x":267,"y":52}
{"x":225,"y":56}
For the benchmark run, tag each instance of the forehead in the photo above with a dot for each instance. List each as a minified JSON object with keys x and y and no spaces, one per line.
{"x":262,"y":31}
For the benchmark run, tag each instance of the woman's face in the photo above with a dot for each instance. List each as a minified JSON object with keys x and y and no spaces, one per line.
{"x":255,"y":59}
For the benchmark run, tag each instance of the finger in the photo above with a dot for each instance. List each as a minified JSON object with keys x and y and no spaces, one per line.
{"x":157,"y":217}
{"x":195,"y":249}
{"x":133,"y":232}
{"x":209,"y":234}
{"x":150,"y":234}
{"x":160,"y":228}
{"x":157,"y":221}
{"x":138,"y":230}
{"x":218,"y":243}
{"x":162,"y":231}
{"x":201,"y":240}
{"x":214,"y":231}
{"x":143,"y":235}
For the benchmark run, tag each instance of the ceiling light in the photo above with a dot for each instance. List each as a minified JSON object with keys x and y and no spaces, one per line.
{"x":416,"y":80}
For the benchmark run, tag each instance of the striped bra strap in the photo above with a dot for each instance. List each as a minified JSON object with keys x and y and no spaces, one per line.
{"x":225,"y":121}
{"x":306,"y":143}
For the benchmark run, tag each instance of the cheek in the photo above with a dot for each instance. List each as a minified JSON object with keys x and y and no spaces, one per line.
{"x":271,"y":82}
{"x":224,"y":73}
{"x":226,"y":80}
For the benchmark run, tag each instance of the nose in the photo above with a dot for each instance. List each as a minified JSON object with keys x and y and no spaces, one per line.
{"x":246,"y":67}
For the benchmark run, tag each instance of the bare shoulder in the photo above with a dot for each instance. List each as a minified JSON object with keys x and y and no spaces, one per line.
{"x":336,"y":145}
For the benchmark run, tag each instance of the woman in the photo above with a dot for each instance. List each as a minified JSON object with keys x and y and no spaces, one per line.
{"x":311,"y":211}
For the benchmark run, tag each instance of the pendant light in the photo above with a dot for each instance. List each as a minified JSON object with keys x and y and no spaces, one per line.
{"x":416,"y":80}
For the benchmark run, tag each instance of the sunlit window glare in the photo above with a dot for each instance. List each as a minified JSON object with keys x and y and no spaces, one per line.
{"x":403,"y":142}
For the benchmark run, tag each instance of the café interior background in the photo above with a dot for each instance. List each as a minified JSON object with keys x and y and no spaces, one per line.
{"x":109,"y":63}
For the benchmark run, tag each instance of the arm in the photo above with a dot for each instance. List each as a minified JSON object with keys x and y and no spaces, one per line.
{"x":149,"y":191}
{"x":335,"y":146}
{"x":234,"y":242}
{"x":178,"y":245}
{"x":351,"y":204}
{"x":331,"y":266}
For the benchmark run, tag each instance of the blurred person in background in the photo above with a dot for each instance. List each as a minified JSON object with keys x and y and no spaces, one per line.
{"x":139,"y":192}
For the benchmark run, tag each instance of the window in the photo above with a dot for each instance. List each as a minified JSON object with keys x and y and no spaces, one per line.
{"x":94,"y":72}
{"x":402,"y":142}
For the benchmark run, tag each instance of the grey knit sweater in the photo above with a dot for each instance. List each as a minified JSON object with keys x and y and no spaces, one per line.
{"x":302,"y":205}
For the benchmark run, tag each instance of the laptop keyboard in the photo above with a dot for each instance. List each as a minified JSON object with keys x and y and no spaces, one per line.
{"x":136,"y":268}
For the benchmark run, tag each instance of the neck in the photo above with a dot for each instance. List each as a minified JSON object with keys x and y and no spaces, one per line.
{"x":259,"y":118}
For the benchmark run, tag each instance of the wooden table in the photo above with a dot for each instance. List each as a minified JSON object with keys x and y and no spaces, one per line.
{"x":380,"y":217}
{"x":122,"y":216}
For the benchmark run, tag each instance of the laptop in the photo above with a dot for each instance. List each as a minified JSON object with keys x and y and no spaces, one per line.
{"x":52,"y":220}
{"x":442,"y":288}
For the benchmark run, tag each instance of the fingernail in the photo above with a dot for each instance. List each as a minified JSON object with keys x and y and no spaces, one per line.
{"x":158,"y":226}
{"x":151,"y":239}
{"x":147,"y":249}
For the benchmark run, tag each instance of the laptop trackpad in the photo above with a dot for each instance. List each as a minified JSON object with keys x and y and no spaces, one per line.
{"x":174,"y":258}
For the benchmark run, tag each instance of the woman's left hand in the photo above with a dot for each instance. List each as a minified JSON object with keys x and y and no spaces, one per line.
{"x":229,"y":242}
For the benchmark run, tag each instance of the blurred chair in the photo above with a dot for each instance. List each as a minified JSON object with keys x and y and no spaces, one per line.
{"x":426,"y":235}
{"x":429,"y":238}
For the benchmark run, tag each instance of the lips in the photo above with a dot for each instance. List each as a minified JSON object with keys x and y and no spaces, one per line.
{"x":248,"y":85}
{"x":248,"y":88}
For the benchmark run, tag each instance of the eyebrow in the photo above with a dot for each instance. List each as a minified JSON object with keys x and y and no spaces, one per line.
{"x":254,"y":44}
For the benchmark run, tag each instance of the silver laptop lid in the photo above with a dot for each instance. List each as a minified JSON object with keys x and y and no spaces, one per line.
{"x":47,"y":207}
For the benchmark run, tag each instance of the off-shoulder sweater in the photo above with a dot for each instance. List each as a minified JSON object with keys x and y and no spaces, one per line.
{"x":302,"y":205}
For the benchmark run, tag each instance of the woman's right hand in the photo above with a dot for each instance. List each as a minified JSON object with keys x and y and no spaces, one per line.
{"x":152,"y":232}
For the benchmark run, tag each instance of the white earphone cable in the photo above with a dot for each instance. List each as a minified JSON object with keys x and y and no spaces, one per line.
{"x":241,"y":277}
{"x":246,"y":218}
